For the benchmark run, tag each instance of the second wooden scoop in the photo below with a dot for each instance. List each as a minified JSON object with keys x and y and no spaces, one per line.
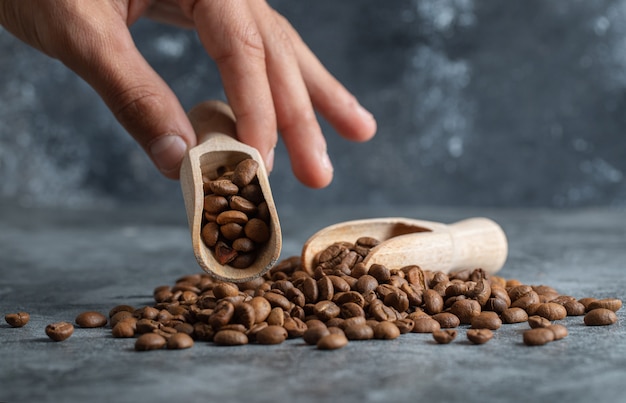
{"x":468,"y":244}
{"x":218,"y":151}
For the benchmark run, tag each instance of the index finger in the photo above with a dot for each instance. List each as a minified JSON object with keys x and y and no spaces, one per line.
{"x":229,"y":34}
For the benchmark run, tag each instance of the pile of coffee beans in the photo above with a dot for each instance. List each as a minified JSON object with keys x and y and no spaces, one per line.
{"x":341,"y":300}
{"x":236,"y":218}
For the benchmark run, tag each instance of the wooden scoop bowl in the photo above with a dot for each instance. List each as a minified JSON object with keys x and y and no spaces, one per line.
{"x":214,"y":124}
{"x":468,"y":244}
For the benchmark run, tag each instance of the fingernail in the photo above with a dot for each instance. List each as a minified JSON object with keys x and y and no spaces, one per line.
{"x":364,"y":112}
{"x":167,"y":152}
{"x":325,"y":160}
{"x":269,"y":161}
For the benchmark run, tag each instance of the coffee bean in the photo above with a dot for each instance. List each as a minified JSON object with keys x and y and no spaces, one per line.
{"x":272,"y":335}
{"x":380,"y":273}
{"x":444,"y":336}
{"x":257,"y":230}
{"x":405,"y":325}
{"x":17,"y":319}
{"x":123,"y":308}
{"x":514,"y":315}
{"x":359,"y":332}
{"x":425,"y":324}
{"x":559,"y":331}
{"x":612,"y":304}
{"x":486,"y":320}
{"x":223,"y":187}
{"x":59,"y":331}
{"x":465,"y":310}
{"x":600,"y":317}
{"x":150,"y":341}
{"x":332,"y":341}
{"x":551,"y":311}
{"x":124,"y":329}
{"x":536,"y":321}
{"x":245,"y":172}
{"x":386,"y":331}
{"x":326,"y":310}
{"x":538,"y":336}
{"x":230,"y":338}
{"x":447,"y":320}
{"x":574,"y":308}
{"x":179,"y":341}
{"x":479,"y":336}
{"x":91,"y":319}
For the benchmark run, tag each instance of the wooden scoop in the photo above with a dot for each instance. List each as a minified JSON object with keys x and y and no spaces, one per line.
{"x":214,"y":123}
{"x":468,"y":244}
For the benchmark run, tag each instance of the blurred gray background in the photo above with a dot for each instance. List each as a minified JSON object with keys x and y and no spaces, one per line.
{"x":479,"y":103}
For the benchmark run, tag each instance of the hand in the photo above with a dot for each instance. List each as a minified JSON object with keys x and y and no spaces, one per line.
{"x":271,"y":78}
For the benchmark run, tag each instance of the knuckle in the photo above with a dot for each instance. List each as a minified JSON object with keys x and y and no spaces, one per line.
{"x":134,"y":106}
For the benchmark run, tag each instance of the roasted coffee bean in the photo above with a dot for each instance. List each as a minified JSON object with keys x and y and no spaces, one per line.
{"x":551,"y":311}
{"x":486,"y":320}
{"x":277,"y":300}
{"x":272,"y":335}
{"x":335,"y":322}
{"x":242,"y":204}
{"x":433,"y":302}
{"x":538,"y":336}
{"x":386,"y":330}
{"x":465,"y":310}
{"x":425,"y":324}
{"x":359,"y":332}
{"x":276,"y":317}
{"x":245,"y":172}
{"x":537,"y":321}
{"x":179,"y":341}
{"x":514,"y":315}
{"x":380,"y":273}
{"x":342,"y":298}
{"x":17,"y":319}
{"x":559,"y":331}
{"x":123,"y":308}
{"x":124,"y":329}
{"x":444,"y":336}
{"x":405,"y":325}
{"x":600,"y":317}
{"x":245,"y":315}
{"x":326,"y":310}
{"x":59,"y":331}
{"x":481,"y":291}
{"x":222,"y":314}
{"x":612,"y":304}
{"x":526,"y":300}
{"x":351,"y":309}
{"x":587,"y":301}
{"x":365,"y":283}
{"x":150,"y":341}
{"x":332,"y":341}
{"x":215,"y":204}
{"x":257,"y":230}
{"x":91,"y":319}
{"x":479,"y":336}
{"x":223,"y":187}
{"x":447,"y":320}
{"x":295,"y":327}
{"x":574,"y":308}
{"x":145,"y":326}
{"x":519,"y":291}
{"x":262,"y":308}
{"x":230,"y":337}
{"x":325,"y":288}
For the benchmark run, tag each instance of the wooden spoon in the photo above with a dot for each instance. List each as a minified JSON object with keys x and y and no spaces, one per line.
{"x":468,"y":244}
{"x":214,"y":123}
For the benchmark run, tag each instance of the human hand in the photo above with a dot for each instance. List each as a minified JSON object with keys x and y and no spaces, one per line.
{"x":271,"y":78}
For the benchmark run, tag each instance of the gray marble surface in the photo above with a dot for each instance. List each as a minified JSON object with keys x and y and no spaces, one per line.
{"x":57,"y":263}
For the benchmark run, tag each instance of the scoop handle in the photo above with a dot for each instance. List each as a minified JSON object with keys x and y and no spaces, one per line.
{"x":468,"y":244}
